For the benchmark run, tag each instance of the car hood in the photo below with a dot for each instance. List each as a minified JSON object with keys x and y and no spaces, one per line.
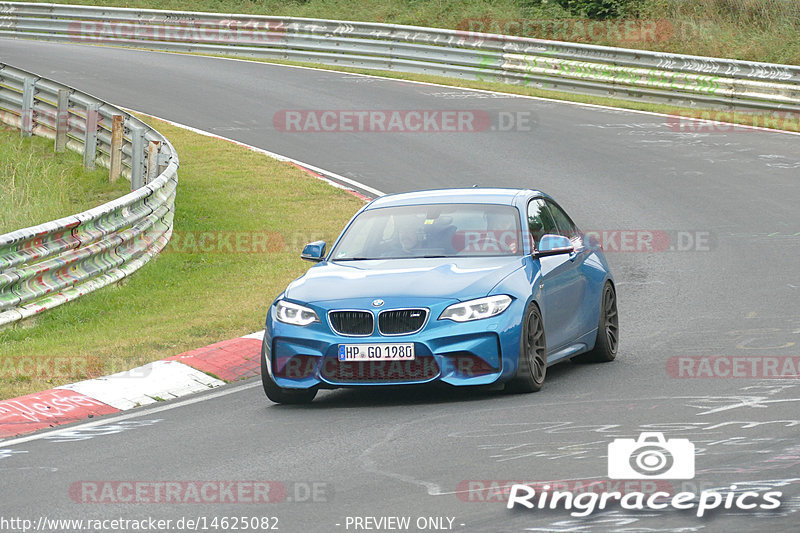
{"x":459,"y":278}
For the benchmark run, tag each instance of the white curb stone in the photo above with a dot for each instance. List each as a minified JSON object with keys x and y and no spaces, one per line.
{"x":146,"y":384}
{"x":257,"y":335}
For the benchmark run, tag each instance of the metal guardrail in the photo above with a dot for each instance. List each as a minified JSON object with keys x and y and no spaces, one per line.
{"x":46,"y":265}
{"x":551,"y":65}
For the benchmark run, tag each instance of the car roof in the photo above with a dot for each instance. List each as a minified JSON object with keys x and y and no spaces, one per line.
{"x":473,"y":195}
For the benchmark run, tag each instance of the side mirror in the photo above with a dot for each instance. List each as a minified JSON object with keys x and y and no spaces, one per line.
{"x":314,"y":251}
{"x":553,"y":245}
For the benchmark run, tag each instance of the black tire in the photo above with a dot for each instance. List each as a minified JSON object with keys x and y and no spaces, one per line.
{"x":532,"y":367}
{"x":605,"y":347}
{"x":281,"y":395}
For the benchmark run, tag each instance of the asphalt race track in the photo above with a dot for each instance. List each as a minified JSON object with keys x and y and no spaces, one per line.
{"x":729,"y":197}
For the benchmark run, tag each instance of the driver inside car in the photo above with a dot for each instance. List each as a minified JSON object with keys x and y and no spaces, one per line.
{"x":408,"y":237}
{"x":503,"y":230}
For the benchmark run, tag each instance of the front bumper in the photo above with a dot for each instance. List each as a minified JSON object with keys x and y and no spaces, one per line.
{"x":471,"y":353}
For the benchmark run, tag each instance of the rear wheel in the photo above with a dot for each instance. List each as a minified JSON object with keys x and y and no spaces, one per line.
{"x":532,"y":366}
{"x":278,"y":394}
{"x":605,"y":347}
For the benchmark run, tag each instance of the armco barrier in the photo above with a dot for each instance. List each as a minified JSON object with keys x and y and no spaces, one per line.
{"x":551,"y":65}
{"x":46,"y":265}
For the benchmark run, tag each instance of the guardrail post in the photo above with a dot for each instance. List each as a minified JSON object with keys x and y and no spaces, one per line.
{"x":40,"y":106}
{"x":90,"y":140}
{"x":26,"y":119}
{"x":62,"y":120}
{"x":137,"y":157}
{"x":163,"y":161}
{"x":115,"y":167}
{"x":152,"y":161}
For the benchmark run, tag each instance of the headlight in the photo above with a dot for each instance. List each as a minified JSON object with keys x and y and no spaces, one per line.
{"x":476,"y":309}
{"x":294,"y":314}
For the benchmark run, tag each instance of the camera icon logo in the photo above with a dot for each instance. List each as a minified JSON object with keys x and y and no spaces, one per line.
{"x":651,"y":457}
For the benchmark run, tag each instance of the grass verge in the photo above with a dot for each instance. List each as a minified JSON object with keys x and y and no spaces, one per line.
{"x":38,"y":185}
{"x":240,"y":221}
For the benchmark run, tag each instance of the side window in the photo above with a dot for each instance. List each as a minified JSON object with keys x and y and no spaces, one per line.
{"x":565,"y":226}
{"x":540,"y":222}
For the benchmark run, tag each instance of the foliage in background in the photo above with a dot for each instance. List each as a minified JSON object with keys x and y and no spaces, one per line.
{"x":756,"y":30}
{"x":596,"y":9}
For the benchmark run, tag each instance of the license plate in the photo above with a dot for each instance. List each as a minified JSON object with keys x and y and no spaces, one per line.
{"x":377,"y":352}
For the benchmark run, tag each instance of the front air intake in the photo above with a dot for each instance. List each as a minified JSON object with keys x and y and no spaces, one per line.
{"x":401,"y":321}
{"x":353,"y":323}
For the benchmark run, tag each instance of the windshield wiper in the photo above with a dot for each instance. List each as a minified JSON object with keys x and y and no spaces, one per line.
{"x":353,"y":259}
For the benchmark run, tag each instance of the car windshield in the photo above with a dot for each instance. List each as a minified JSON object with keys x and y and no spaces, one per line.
{"x":431,"y":230}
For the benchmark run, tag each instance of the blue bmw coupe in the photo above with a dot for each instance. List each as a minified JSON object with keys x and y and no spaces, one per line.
{"x":462,"y":286}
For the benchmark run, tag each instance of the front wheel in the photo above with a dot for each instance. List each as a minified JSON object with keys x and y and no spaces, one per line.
{"x":605,"y":347}
{"x":532,"y":366}
{"x":279,"y":394}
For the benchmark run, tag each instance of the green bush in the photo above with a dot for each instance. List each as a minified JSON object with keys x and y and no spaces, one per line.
{"x":597,"y":9}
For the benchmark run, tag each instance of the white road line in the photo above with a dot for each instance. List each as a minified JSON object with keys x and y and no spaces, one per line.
{"x":135,"y":414}
{"x":484,"y":488}
{"x":757,"y":402}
